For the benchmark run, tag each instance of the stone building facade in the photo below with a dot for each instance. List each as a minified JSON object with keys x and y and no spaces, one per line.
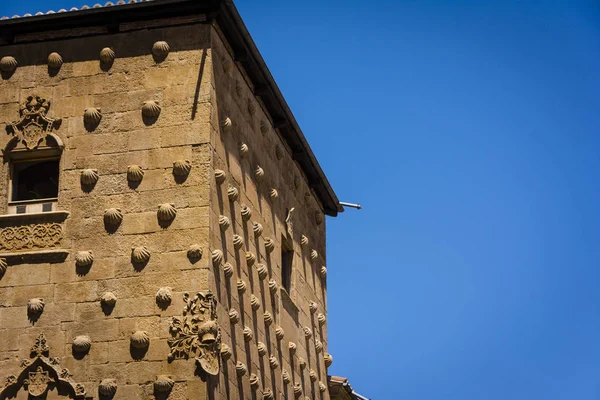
{"x":163,"y":227}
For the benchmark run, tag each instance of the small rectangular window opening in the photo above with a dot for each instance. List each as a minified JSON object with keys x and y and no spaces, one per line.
{"x":35,"y":180}
{"x":287,"y":261}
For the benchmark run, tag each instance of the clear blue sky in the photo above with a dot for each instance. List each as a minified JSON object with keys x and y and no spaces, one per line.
{"x":470,"y":132}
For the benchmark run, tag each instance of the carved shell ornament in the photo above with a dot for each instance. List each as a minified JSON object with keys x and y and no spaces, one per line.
{"x":303,"y":240}
{"x":82,"y":344}
{"x":227,"y":124}
{"x":292,"y":347}
{"x":140,"y":255}
{"x":238,"y":241}
{"x":163,"y":384}
{"x":107,"y":56}
{"x":302,"y":363}
{"x":273,"y":194}
{"x":226,"y":352}
{"x":224,"y":223}
{"x":164,"y":296}
{"x":259,"y":173}
{"x":151,"y":109}
{"x":92,"y":116}
{"x":113,"y":216}
{"x":328,"y":360}
{"x":268,"y":317}
{"x":161,"y":49}
{"x":318,"y":218}
{"x":35,"y":306}
{"x":89,"y":177}
{"x":166,"y":212}
{"x":313,"y":375}
{"x":278,"y":152}
{"x":262,"y":349}
{"x":220,"y":176}
{"x":314,"y":255}
{"x":285,"y":376}
{"x":240,"y":369}
{"x":313,"y":307}
{"x":273,"y":362}
{"x":238,"y":88}
{"x":318,"y":346}
{"x":55,"y":61}
{"x":182,"y":168}
{"x":3,"y":266}
{"x":8,"y":64}
{"x":243,"y":150}
{"x":321,"y":318}
{"x":228,"y":270}
{"x":323,"y":272}
{"x":307,"y":332}
{"x":217,"y":257}
{"x":263,"y":272}
{"x":297,"y":390}
{"x":234,"y":316}
{"x":257,"y":229}
{"x":227,"y":65}
{"x":273,"y":286}
{"x":195,"y":252}
{"x":108,"y":299}
{"x":232,"y":193}
{"x":268,"y":394}
{"x":135,"y":173}
{"x":254,"y":302}
{"x":264,"y":126}
{"x":251,"y":107}
{"x":246,"y":213}
{"x":250,"y":259}
{"x":107,"y":388}
{"x":254,"y":381}
{"x":84,"y":258}
{"x":269,"y":245}
{"x":248,"y":334}
{"x":241,"y":286}
{"x":322,"y":387}
{"x":140,"y":340}
{"x":279,"y":333}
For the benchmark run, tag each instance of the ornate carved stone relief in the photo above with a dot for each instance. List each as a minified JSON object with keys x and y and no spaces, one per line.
{"x":196,"y":333}
{"x":34,"y":124}
{"x":30,"y":237}
{"x":41,"y":373}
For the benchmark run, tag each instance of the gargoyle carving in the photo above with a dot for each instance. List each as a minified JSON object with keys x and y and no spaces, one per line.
{"x":197,"y":333}
{"x":41,"y":373}
{"x":34,"y":124}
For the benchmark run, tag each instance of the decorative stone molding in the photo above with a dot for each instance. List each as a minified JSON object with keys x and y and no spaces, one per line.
{"x":140,"y":255}
{"x":279,"y":333}
{"x":262,"y":349}
{"x":228,"y":270}
{"x":273,"y":286}
{"x":246,"y":212}
{"x":135,"y":173}
{"x":313,"y":307}
{"x":217,"y":257}
{"x":269,"y":245}
{"x":8,"y":64}
{"x":303,"y":240}
{"x":232,"y":193}
{"x":107,"y":388}
{"x":81,"y":344}
{"x":196,"y":333}
{"x":55,"y":61}
{"x":241,"y":286}
{"x":254,"y":302}
{"x":273,"y":194}
{"x":302,"y":363}
{"x":161,"y":49}
{"x":234,"y":316}
{"x":195,"y":252}
{"x":151,"y":109}
{"x":34,"y":124}
{"x":259,"y":173}
{"x":113,"y":217}
{"x":108,"y":299}
{"x":323,"y":272}
{"x":322,"y":387}
{"x":321,"y":319}
{"x":84,"y":259}
{"x":139,"y":340}
{"x":39,"y":372}
{"x":257,"y":228}
{"x":243,"y":150}
{"x":268,"y":317}
{"x":166,"y":212}
{"x":220,"y":176}
{"x":224,"y":223}
{"x":89,"y":177}
{"x":225,"y":352}
{"x":328,"y":358}
{"x":163,"y":384}
{"x":273,"y":362}
{"x":313,"y":375}
{"x":238,"y":242}
{"x":248,"y":335}
{"x":240,"y":369}
{"x":107,"y":56}
{"x":318,"y":346}
{"x":182,"y":168}
{"x":254,"y":382}
{"x":263,"y":272}
{"x":285,"y":377}
{"x":314,"y":254}
{"x":164,"y":296}
{"x":92,"y":116}
{"x":289,"y":222}
{"x":307,"y":332}
{"x":250,"y":259}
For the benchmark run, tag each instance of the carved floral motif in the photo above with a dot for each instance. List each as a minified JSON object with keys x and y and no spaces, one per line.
{"x":30,"y":237}
{"x":34,"y":124}
{"x":196,"y":333}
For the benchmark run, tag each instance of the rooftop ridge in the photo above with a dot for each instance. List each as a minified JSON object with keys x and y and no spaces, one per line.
{"x":75,"y":9}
